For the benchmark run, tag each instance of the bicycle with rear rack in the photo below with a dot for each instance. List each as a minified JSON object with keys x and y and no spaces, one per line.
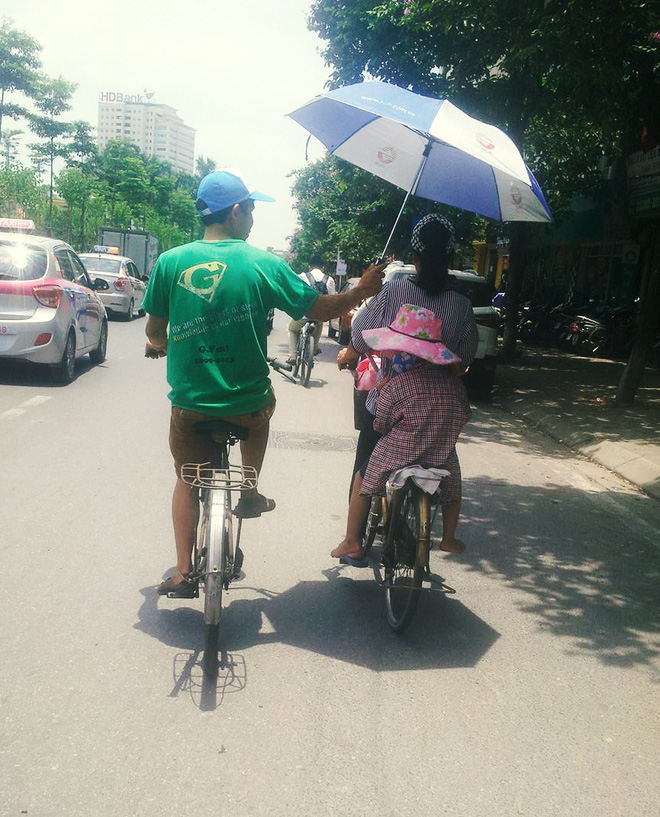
{"x":403,"y":519}
{"x":217,"y":557}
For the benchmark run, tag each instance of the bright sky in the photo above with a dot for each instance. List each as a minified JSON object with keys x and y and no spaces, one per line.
{"x":232,"y":70}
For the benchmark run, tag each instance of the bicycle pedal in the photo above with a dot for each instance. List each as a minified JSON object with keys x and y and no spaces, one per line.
{"x":194,"y":595}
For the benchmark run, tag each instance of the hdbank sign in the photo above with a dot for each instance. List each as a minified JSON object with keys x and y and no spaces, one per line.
{"x":113,"y":96}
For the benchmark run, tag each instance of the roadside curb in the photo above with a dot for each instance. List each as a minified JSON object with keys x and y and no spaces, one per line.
{"x":626,"y":460}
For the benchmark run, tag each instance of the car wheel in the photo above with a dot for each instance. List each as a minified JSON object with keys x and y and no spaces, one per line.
{"x":65,"y":371}
{"x":98,"y":355}
{"x":130,"y":312}
{"x":141,"y":313}
{"x":332,"y":333}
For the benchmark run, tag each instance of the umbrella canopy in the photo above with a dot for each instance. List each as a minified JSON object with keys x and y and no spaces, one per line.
{"x":428,"y":147}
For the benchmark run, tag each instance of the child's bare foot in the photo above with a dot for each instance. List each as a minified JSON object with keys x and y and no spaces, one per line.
{"x":349,"y":547}
{"x":452,"y":546}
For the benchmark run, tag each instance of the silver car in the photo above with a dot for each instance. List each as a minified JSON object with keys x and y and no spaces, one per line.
{"x":50,"y":311}
{"x":126,"y":289}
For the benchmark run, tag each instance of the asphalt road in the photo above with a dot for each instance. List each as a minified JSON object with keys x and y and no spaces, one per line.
{"x":533,"y":690}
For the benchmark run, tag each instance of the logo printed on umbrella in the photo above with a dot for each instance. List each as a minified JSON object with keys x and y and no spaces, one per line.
{"x":485,"y":141}
{"x":386,"y":155}
{"x":516,"y":195}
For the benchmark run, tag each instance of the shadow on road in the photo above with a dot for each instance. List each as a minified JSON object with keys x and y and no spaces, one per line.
{"x":588,"y":560}
{"x":337,"y":617}
{"x":21,"y":373}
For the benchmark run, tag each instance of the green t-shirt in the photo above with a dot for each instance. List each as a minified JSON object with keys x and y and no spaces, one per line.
{"x":216,"y":295}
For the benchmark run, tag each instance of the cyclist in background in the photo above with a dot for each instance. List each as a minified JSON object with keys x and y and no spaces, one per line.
{"x":208,"y":303}
{"x":317,"y":278}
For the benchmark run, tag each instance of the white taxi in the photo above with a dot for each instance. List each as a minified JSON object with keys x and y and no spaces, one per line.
{"x":126,"y":289}
{"x":50,"y":311}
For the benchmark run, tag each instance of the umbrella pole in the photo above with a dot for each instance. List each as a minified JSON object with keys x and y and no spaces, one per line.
{"x":425,"y":156}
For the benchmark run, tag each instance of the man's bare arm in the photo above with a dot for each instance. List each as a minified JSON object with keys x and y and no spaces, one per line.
{"x":332,"y":306}
{"x":156,"y":331}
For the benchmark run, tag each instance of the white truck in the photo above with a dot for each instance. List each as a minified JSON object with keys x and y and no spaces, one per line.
{"x":139,"y":246}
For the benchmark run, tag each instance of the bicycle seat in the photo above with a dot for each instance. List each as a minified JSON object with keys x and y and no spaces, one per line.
{"x":212,"y":428}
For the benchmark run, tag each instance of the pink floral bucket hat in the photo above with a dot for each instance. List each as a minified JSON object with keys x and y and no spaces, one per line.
{"x":414,"y":330}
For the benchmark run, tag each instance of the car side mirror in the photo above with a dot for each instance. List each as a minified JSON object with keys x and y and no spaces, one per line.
{"x":99,"y":283}
{"x":145,"y":278}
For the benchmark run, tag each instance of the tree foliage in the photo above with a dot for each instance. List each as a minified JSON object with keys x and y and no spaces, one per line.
{"x":21,"y":195}
{"x":346,"y":211}
{"x":119,"y":187}
{"x":570,"y":81}
{"x":19,"y":63}
{"x":51,"y":101}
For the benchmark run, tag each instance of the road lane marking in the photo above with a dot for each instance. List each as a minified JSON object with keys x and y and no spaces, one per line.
{"x":37,"y":400}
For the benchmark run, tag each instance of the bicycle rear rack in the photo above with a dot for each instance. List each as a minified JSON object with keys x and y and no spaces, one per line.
{"x":234,"y":478}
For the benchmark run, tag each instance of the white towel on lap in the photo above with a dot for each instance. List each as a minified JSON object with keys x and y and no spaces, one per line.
{"x":428,"y":479}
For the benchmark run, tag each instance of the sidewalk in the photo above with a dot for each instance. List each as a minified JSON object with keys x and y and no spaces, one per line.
{"x":569,"y":398}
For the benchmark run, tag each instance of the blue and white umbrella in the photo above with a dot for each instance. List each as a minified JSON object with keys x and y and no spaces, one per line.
{"x":427,"y":147}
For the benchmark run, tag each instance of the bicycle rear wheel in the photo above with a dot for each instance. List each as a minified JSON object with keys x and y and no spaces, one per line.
{"x":405,"y":554}
{"x":217,"y":512}
{"x":373,"y":523}
{"x":307,"y":360}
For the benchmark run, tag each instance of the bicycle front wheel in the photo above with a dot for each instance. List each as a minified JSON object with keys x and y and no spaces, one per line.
{"x":217,"y":511}
{"x":307,"y":360}
{"x":299,"y":353}
{"x":406,"y":554}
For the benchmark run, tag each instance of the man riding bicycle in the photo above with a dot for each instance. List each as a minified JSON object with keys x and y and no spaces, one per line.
{"x":208,"y":303}
{"x":317,"y":278}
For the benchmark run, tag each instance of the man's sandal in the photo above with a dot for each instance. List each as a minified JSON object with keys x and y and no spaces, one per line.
{"x":251,"y":506}
{"x":185,"y":588}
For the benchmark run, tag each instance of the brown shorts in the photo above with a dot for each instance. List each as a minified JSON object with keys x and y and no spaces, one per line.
{"x":187,"y":445}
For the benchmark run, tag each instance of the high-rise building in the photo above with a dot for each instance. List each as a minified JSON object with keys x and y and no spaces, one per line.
{"x":155,"y":129}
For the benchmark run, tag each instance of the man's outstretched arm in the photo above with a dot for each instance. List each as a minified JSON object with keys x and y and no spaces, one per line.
{"x":332,"y":306}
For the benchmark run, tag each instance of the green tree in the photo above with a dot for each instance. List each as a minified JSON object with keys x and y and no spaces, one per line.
{"x":20,"y":193}
{"x":123,"y":170}
{"x":9,"y":145}
{"x":204,"y":165}
{"x":569,"y":81}
{"x":52,"y":101}
{"x":19,"y":63}
{"x":76,"y":188}
{"x":82,"y":149}
{"x":345,"y":210}
{"x":184,"y":213}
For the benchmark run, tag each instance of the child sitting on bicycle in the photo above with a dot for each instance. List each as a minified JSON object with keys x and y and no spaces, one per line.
{"x":421,"y":410}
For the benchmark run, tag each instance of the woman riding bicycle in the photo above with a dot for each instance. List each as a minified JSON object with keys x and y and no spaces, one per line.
{"x":433,"y":244}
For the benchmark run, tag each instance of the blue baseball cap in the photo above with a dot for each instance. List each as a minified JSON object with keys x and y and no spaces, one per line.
{"x":222,"y":189}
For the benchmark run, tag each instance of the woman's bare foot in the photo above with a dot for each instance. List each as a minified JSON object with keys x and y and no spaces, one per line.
{"x":349,"y":547}
{"x":452,"y":546}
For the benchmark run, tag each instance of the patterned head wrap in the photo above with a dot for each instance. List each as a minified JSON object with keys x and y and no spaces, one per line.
{"x":433,"y":232}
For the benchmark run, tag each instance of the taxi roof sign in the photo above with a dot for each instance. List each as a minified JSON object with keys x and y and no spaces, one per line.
{"x":103,"y":248}
{"x":17,"y":225}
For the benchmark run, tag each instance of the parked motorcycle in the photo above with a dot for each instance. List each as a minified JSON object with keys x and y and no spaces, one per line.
{"x":599,"y":330}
